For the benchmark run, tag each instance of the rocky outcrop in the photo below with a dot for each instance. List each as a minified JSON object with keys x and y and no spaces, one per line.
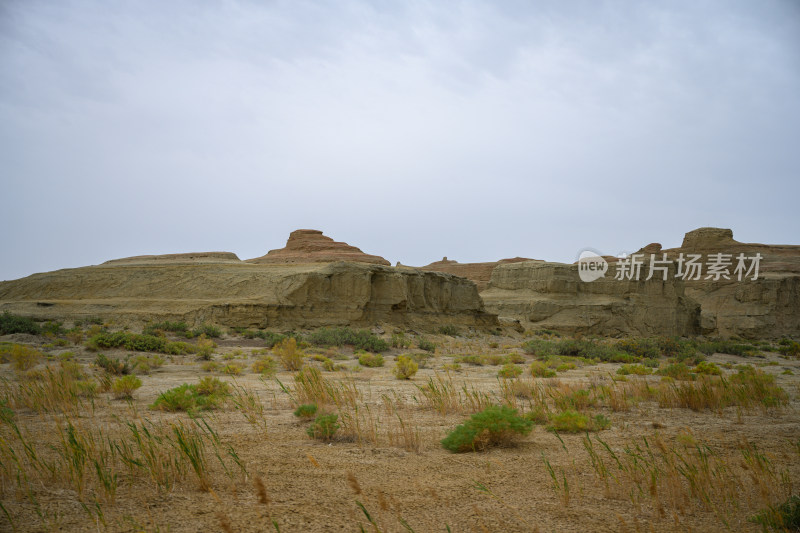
{"x":311,"y":246}
{"x":552,"y":295}
{"x":231,"y":293}
{"x":480,"y":273}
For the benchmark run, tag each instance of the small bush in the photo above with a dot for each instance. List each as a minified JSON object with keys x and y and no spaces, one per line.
{"x":676,"y":371}
{"x":370,"y":360}
{"x":476,"y":360}
{"x":266,"y":366}
{"x":727,"y":347}
{"x":129,"y":341}
{"x":307,"y":410}
{"x":425,"y":344}
{"x":641,"y":348}
{"x":17,"y":324}
{"x":540,"y":370}
{"x":232,"y":369}
{"x":157,"y":328}
{"x":209,"y":393}
{"x":323,"y":427}
{"x":405,"y":367}
{"x":399,"y":340}
{"x":123,"y":387}
{"x":205,"y":348}
{"x":707,"y":368}
{"x":563,"y":367}
{"x":784,"y":517}
{"x":449,"y":329}
{"x":290,"y":356}
{"x":112,"y":366}
{"x":207,"y":330}
{"x":539,"y":347}
{"x":509,"y":371}
{"x":23,"y":357}
{"x":638,"y":370}
{"x":575,"y":422}
{"x":209,"y":366}
{"x":494,"y":426}
{"x":789,"y":348}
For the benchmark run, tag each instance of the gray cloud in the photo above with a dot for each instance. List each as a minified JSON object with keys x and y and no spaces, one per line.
{"x":413,"y":130}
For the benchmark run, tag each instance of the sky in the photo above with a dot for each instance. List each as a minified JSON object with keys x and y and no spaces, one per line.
{"x":413,"y":130}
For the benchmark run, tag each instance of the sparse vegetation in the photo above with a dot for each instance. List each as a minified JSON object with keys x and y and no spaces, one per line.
{"x":290,"y":356}
{"x":324,"y":427}
{"x":209,"y":393}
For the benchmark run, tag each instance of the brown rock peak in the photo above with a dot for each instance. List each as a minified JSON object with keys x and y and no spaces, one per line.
{"x":708,"y":238}
{"x":311,"y":246}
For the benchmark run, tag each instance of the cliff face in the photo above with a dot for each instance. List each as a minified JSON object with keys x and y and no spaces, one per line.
{"x":552,"y":295}
{"x":232,"y":293}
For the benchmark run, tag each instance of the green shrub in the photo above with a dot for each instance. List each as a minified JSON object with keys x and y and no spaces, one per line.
{"x":676,"y":371}
{"x":129,"y":341}
{"x":592,"y":350}
{"x":494,"y":359}
{"x":266,"y":366}
{"x":476,"y":360}
{"x":307,"y":410}
{"x":494,"y":426}
{"x":449,"y":329}
{"x":405,"y":367}
{"x":24,"y":357}
{"x":399,"y":340}
{"x":539,"y":347}
{"x":639,"y":370}
{"x":563,"y":367}
{"x":232,"y":369}
{"x":784,"y":517}
{"x":641,"y":348}
{"x":323,"y":427}
{"x":574,"y":422}
{"x":112,"y":366}
{"x":179,"y":348}
{"x":789,"y":348}
{"x":425,"y":344}
{"x":540,"y":370}
{"x":359,"y":339}
{"x":209,"y":366}
{"x":370,"y":360}
{"x":509,"y":371}
{"x":17,"y":324}
{"x":157,"y":328}
{"x":727,"y":347}
{"x":707,"y":368}
{"x":123,"y":387}
{"x":209,"y":393}
{"x":208,"y":330}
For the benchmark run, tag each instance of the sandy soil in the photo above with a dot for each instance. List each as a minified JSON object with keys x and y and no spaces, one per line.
{"x":310,"y":483}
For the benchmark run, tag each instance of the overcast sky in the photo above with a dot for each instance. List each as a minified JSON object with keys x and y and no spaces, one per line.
{"x":413,"y":130}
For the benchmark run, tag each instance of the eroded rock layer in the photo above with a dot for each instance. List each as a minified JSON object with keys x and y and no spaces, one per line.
{"x":552,"y":295}
{"x":250,"y":295}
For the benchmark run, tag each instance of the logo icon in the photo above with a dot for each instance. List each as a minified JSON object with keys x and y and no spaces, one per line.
{"x":591,"y":266}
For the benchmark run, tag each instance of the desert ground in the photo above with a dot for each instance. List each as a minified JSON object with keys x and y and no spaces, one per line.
{"x":627,"y":435}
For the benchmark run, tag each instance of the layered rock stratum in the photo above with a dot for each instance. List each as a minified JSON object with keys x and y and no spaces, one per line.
{"x":553,"y":296}
{"x":311,"y":246}
{"x":216,"y":287}
{"x":480,"y":273}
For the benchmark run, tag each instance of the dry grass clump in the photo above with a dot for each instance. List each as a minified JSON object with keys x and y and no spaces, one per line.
{"x":290,"y":356}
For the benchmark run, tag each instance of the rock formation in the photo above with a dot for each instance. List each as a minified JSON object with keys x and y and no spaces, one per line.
{"x":480,"y":273}
{"x":311,"y":246}
{"x":552,"y":295}
{"x":235,"y":293}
